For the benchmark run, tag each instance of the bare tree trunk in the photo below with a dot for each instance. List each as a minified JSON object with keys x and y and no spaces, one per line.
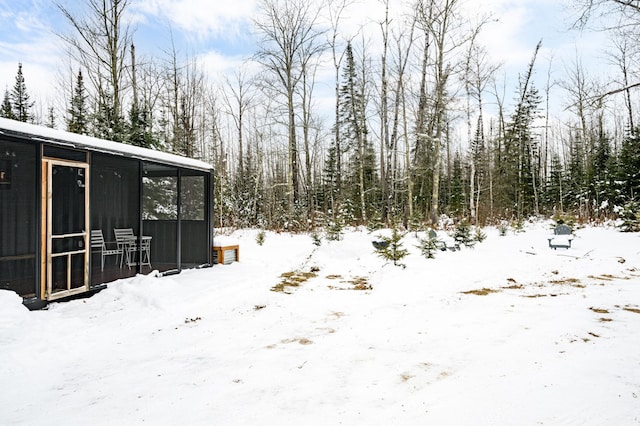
{"x":289,"y":41}
{"x":384,"y":118}
{"x":336,"y":8}
{"x":403,"y":53}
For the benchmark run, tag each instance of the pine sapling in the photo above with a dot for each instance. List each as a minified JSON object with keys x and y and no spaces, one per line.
{"x":260,"y":237}
{"x":316,"y":238}
{"x":393,"y":250}
{"x":479,"y":235}
{"x":429,"y":246}
{"x":462,"y":234}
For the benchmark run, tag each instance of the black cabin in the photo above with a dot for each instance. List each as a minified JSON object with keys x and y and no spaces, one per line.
{"x":77,"y":212}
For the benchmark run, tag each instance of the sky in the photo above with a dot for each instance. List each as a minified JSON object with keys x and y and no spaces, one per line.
{"x":220,"y":34}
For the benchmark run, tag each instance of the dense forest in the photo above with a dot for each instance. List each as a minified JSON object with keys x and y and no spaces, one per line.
{"x":418,"y":127}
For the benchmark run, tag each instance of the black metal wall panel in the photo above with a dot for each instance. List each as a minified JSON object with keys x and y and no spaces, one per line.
{"x":164,"y":255}
{"x":195,"y":243}
{"x":18,"y":217}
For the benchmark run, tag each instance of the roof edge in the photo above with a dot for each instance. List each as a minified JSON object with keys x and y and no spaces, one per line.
{"x":90,"y":143}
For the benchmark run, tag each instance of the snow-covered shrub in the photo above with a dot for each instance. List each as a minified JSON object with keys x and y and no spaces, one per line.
{"x":334,"y":230}
{"x":316,"y":238}
{"x":630,"y":217}
{"x":503,"y":228}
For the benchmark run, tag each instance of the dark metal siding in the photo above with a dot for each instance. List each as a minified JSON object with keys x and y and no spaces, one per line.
{"x":18,"y":218}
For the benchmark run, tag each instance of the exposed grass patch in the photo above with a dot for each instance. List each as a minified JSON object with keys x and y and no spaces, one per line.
{"x":334,"y":277}
{"x":573,"y":282}
{"x":565,"y":281}
{"x":292,"y":279}
{"x":605,"y":319}
{"x":361,"y":283}
{"x":406,"y":377}
{"x":599,"y":310}
{"x":514,"y":287}
{"x":607,"y":277}
{"x":630,"y":309}
{"x":300,"y":340}
{"x":356,"y":283}
{"x":481,"y":292}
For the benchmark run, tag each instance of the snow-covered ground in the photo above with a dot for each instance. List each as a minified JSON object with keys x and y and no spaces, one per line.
{"x":507,"y":333}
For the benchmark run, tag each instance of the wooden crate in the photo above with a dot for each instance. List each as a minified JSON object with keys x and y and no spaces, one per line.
{"x":226,"y":254}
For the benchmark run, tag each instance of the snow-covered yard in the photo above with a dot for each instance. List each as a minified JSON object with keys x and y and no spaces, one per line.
{"x":507,"y":333}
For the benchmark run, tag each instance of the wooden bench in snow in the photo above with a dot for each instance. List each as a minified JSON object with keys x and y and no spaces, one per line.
{"x":562,"y":237}
{"x":225,"y":251}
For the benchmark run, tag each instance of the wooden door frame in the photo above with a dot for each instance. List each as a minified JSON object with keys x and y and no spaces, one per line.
{"x":46,"y":278}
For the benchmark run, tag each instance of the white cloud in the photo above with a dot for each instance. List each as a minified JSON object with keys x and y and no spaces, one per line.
{"x":29,"y":39}
{"x":201,"y":17}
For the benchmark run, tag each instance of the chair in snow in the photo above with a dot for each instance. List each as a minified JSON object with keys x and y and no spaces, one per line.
{"x":445,"y":244}
{"x":380,"y":245}
{"x":562,"y":237}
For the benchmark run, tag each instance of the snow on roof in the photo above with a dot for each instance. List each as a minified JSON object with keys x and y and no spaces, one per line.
{"x":59,"y":137}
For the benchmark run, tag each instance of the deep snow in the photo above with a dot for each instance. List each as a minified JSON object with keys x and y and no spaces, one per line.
{"x":509,"y":332}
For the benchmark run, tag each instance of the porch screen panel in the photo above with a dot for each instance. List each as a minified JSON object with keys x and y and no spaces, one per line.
{"x":115,"y":203}
{"x":160,"y":214}
{"x":193,"y":219}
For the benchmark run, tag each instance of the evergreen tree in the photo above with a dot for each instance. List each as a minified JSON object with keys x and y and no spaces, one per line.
{"x":456,"y":192}
{"x":354,"y":135}
{"x":576,"y":172}
{"x":77,"y":121}
{"x":137,"y":130}
{"x":629,"y":165}
{"x":51,"y":118}
{"x":6,"y":110}
{"x":600,"y":178}
{"x":392,"y":248}
{"x":20,"y":99}
{"x":554,"y":192}
{"x":428,"y":246}
{"x":630,"y":216}
{"x":106,"y":121}
{"x":462,"y":234}
{"x":520,"y":157}
{"x":329,"y":192}
{"x":184,"y":138}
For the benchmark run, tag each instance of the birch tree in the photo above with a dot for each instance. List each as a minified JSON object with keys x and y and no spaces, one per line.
{"x":441,"y":20}
{"x":288,"y":38}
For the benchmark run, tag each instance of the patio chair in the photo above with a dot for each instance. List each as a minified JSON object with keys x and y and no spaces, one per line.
{"x":127,"y":243}
{"x":98,"y":243}
{"x":145,"y":252}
